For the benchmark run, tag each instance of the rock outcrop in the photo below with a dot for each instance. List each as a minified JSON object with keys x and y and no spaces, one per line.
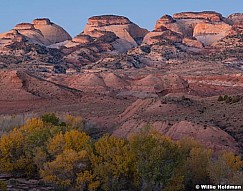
{"x":235,"y":19}
{"x":121,"y":26}
{"x":192,"y":42}
{"x":208,"y":33}
{"x":212,"y":137}
{"x":167,"y":22}
{"x":82,"y":39}
{"x":205,"y":15}
{"x":41,"y":31}
{"x":51,"y":32}
{"x":206,"y":27}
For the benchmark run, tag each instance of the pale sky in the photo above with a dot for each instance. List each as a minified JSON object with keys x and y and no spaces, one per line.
{"x":72,"y":15}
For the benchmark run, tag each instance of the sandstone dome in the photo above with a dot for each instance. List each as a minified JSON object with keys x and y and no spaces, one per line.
{"x":236,"y":18}
{"x":119,"y":25}
{"x":40,"y":31}
{"x":28,"y":30}
{"x":51,"y":32}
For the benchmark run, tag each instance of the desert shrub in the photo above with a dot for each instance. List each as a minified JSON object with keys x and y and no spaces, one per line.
{"x":18,"y":148}
{"x":50,"y":118}
{"x":235,"y":99}
{"x":220,"y":98}
{"x":225,"y":97}
{"x":228,"y":100}
{"x":3,"y":185}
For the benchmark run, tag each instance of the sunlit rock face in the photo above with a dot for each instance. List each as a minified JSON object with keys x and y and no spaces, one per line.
{"x":208,"y":33}
{"x":121,"y":26}
{"x":205,"y":15}
{"x":41,"y":31}
{"x":168,"y":22}
{"x":51,"y":32}
{"x":205,"y":27}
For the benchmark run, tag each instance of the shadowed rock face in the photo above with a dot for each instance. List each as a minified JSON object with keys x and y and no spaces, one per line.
{"x":236,"y":18}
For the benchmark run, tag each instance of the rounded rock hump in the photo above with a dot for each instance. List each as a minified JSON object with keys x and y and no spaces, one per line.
{"x":167,"y":22}
{"x":207,"y":27}
{"x":51,"y":32}
{"x":235,"y":19}
{"x":121,"y":26}
{"x":30,"y":32}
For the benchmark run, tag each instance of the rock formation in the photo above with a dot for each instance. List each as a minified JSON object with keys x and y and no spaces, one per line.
{"x":205,"y":15}
{"x":207,"y":27}
{"x":51,"y":32}
{"x":167,"y":22}
{"x":208,"y":33}
{"x":122,"y":27}
{"x":235,"y":19}
{"x":41,"y":31}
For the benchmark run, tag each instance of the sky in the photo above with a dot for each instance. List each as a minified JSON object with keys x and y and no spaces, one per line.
{"x":72,"y":15}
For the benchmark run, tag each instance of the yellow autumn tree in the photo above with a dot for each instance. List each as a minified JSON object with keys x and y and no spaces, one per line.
{"x":113,"y":164}
{"x":195,"y":169}
{"x":157,"y":159}
{"x":64,"y":170}
{"x":73,"y":139}
{"x":74,"y":122}
{"x":19,"y":147}
{"x":226,"y":169}
{"x":70,"y":167}
{"x":12,"y":152}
